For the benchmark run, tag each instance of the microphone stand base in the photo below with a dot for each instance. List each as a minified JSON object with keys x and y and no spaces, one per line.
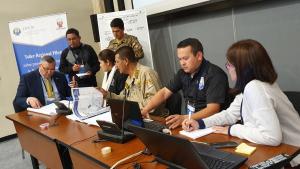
{"x":116,"y":137}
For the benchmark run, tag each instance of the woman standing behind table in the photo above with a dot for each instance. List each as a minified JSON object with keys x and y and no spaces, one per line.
{"x":265,"y":114}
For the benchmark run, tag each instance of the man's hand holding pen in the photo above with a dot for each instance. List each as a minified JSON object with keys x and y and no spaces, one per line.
{"x":190,"y":125}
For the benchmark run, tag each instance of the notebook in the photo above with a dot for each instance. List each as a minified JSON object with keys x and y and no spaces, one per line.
{"x":196,"y":133}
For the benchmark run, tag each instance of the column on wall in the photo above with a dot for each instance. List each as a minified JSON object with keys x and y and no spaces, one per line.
{"x":98,"y":6}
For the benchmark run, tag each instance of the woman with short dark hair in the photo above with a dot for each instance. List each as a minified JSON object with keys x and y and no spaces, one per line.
{"x":261,"y":113}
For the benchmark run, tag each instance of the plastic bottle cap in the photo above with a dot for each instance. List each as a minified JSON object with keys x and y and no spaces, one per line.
{"x":44,"y":126}
{"x":105,"y":150}
{"x":166,"y":131}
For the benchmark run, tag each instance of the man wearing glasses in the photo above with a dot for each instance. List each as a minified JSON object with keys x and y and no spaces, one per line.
{"x":41,"y":87}
{"x":79,"y":60}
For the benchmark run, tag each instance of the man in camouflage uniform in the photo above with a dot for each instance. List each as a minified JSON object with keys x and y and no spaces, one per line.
{"x":123,"y":39}
{"x":142,"y":82}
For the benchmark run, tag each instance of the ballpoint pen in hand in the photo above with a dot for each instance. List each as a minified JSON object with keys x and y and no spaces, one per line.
{"x":190,"y":109}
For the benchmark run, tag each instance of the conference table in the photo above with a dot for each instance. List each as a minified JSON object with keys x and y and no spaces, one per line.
{"x":78,"y":138}
{"x":43,"y":143}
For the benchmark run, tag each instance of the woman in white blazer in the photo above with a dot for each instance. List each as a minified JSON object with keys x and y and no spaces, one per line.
{"x":261,"y":113}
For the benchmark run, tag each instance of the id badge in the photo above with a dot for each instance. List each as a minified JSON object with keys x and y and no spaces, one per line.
{"x":201,"y":83}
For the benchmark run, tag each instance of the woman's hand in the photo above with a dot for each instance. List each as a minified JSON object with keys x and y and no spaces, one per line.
{"x":220,"y":129}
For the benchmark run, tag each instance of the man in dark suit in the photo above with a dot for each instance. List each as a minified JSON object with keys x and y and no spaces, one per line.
{"x":41,"y":87}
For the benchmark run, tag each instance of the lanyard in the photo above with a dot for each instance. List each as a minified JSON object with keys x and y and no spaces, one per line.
{"x":241,"y":113}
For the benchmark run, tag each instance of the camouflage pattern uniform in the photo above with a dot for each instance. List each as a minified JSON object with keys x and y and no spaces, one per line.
{"x":128,"y":40}
{"x":141,"y":87}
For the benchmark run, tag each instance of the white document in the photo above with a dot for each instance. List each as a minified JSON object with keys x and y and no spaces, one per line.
{"x":49,"y":109}
{"x":196,"y":133}
{"x":92,"y":121}
{"x":81,"y":74}
{"x":87,"y":102}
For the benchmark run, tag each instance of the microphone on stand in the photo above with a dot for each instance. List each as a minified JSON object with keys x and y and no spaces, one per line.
{"x":127,"y":135}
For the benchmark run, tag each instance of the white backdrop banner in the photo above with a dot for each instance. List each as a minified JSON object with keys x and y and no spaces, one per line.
{"x":35,"y":37}
{"x":135,"y":23}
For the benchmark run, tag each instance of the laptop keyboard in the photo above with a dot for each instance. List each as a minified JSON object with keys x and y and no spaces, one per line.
{"x":215,"y":163}
{"x":154,"y":125}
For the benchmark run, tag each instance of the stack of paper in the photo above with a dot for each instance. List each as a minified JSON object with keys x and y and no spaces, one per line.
{"x":196,"y":133}
{"x":92,"y":121}
{"x":49,"y":109}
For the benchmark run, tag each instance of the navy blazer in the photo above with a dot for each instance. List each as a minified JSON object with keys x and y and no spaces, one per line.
{"x":31,"y":86}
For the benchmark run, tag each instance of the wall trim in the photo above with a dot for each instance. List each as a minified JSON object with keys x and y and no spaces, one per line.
{"x":8,"y":137}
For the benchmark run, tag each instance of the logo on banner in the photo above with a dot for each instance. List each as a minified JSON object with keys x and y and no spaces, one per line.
{"x":60,"y":23}
{"x":17,"y":31}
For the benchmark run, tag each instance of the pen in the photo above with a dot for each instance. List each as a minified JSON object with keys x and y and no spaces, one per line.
{"x":190,"y":114}
{"x":190,"y":111}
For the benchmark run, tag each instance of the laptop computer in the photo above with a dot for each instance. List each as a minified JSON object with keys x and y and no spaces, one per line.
{"x":180,"y":153}
{"x":132,"y":115}
{"x":118,"y":132}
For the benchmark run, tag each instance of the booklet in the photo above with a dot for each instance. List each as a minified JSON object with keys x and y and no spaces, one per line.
{"x":87,"y":102}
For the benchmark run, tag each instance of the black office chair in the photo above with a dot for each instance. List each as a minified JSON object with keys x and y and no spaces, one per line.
{"x":294,"y":97}
{"x":173,"y":103}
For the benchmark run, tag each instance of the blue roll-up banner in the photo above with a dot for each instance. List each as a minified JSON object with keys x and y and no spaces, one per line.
{"x":35,"y":37}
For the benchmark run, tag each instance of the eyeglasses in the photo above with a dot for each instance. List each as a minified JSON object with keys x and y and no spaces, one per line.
{"x":47,"y":69}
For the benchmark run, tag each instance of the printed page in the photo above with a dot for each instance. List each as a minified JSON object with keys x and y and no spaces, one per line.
{"x":49,"y":109}
{"x":92,"y":121}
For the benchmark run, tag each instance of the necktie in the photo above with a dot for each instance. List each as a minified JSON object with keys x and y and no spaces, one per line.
{"x":49,"y":88}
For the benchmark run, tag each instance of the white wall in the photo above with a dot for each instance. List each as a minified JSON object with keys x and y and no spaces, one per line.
{"x":78,"y":12}
{"x":160,"y":6}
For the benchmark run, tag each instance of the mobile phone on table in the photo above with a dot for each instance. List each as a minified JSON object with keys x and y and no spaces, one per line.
{"x":224,"y":144}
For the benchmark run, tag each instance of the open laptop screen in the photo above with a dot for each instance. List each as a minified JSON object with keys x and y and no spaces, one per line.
{"x":173,"y":151}
{"x":131,"y":110}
